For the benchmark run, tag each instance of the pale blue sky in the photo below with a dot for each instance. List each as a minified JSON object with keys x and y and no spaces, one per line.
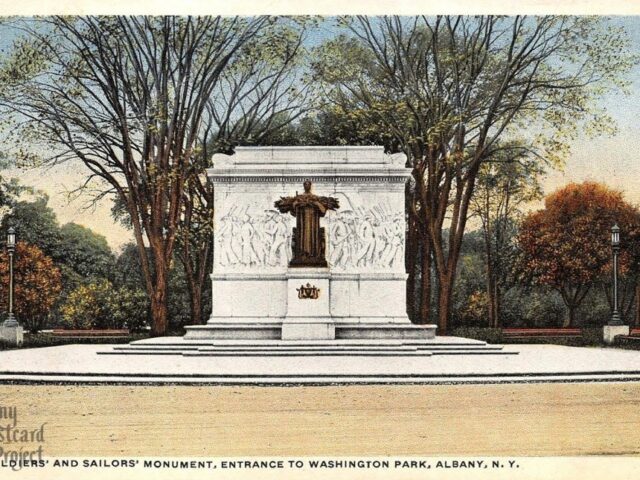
{"x":613,"y":160}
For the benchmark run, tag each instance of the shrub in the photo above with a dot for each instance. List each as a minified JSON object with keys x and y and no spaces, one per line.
{"x":100,"y":305}
{"x":129,"y":309}
{"x":542,"y":308}
{"x":37,"y":284}
{"x":87,"y":306}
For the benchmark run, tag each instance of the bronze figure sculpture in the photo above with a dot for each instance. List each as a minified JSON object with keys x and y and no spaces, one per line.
{"x":308,"y":237}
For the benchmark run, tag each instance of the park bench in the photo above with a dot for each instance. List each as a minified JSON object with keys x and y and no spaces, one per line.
{"x":106,"y":333}
{"x":541,"y":332}
{"x":632,"y":338}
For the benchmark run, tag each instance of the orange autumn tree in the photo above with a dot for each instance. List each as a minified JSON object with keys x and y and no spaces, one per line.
{"x":37,"y":284}
{"x":567,"y":245}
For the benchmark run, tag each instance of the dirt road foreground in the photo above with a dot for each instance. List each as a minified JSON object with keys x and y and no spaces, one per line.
{"x":207,"y":421}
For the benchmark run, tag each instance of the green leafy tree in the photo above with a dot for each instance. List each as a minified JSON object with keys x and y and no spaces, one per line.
{"x":325,"y":125}
{"x":264,"y":92}
{"x":10,"y":191}
{"x":80,"y":253}
{"x":87,"y":252}
{"x":451,"y":90}
{"x":36,"y":223}
{"x":505,"y":185}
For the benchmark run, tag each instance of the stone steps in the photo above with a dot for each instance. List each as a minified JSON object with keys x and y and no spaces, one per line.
{"x":324,"y":353}
{"x":349,"y":353}
{"x":306,"y":348}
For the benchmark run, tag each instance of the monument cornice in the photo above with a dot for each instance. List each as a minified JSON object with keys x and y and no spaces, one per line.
{"x":284,"y":276}
{"x":266,"y":176}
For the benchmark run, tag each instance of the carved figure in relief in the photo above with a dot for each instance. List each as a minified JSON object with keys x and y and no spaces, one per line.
{"x":269,"y":231}
{"x":394,"y":234}
{"x":276,"y":243}
{"x":260,"y":239}
{"x":248,"y":255}
{"x":380,"y":238}
{"x":226,"y":239}
{"x":397,"y":241}
{"x":385,"y":233}
{"x":367,"y":239}
{"x":341,"y":234}
{"x":236,"y":226}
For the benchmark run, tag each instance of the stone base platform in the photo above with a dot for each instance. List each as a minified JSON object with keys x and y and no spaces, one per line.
{"x":12,"y":335}
{"x":610,"y":332}
{"x":257,"y":329}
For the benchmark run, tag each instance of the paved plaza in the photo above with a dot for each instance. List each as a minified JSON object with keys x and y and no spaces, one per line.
{"x":509,"y":364}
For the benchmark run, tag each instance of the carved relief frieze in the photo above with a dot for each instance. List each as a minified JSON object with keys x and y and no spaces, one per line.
{"x":365,"y":236}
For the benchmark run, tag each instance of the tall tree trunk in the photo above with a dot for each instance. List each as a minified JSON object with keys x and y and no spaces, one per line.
{"x":196,"y":306}
{"x":572,"y":300}
{"x":425,"y":286}
{"x":194,"y":285}
{"x":569,"y":320}
{"x":497,"y":296}
{"x":490,"y":282}
{"x":195,"y":293}
{"x":490,"y":278}
{"x":637,"y":313}
{"x":159,"y":318}
{"x":445,"y":298}
{"x":160,"y":252}
{"x":491,"y":300}
{"x":410,"y":295}
{"x":447,"y":262}
{"x":411,"y":254}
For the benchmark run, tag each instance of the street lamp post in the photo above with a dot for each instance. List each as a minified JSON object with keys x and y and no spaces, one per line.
{"x":615,"y":327}
{"x":616,"y":318}
{"x":11,"y":248}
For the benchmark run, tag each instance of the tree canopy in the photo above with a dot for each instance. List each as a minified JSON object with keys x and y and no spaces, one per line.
{"x":129,"y":98}
{"x":451,"y":89}
{"x":567,"y":245}
{"x":79,"y":252}
{"x":87,"y":252}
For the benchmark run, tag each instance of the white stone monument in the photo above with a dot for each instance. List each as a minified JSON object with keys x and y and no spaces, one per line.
{"x":359,"y":295}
